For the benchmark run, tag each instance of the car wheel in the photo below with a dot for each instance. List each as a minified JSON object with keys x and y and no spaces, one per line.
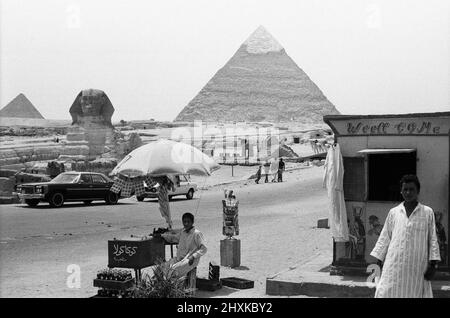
{"x":112,"y":198}
{"x":32,"y":202}
{"x":140,"y":199}
{"x":190,"y":194}
{"x":87,"y":202}
{"x":56,"y":200}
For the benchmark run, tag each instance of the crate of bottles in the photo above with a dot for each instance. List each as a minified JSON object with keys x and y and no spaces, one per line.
{"x":111,"y":293}
{"x":114,"y":279}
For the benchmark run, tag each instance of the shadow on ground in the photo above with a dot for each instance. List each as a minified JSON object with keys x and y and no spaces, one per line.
{"x":241,"y":268}
{"x":223,"y":292}
{"x":44,"y":205}
{"x":151,"y":200}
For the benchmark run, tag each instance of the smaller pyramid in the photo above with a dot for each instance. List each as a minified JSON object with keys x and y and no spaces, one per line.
{"x":20,"y":107}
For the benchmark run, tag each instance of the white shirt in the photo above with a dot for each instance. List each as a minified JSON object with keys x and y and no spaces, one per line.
{"x":406,"y":245}
{"x":190,"y":243}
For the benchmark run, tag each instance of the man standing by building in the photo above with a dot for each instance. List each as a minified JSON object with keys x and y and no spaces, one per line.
{"x":280,"y":170}
{"x":408,"y":246}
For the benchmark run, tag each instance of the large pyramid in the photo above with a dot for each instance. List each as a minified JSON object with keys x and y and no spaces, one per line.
{"x":259,"y":83}
{"x":20,"y":107}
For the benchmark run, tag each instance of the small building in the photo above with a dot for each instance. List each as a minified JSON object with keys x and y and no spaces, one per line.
{"x":377,"y":151}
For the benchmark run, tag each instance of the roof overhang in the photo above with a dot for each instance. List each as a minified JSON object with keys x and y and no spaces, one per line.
{"x":386,"y":150}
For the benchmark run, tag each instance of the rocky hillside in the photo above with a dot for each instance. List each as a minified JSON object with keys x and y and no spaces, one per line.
{"x":259,"y":83}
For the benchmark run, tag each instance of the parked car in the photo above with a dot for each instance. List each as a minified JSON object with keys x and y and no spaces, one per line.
{"x":185,"y":187}
{"x":69,"y":186}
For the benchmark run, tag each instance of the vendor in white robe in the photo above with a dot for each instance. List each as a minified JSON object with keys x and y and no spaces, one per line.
{"x":191,"y":246}
{"x":408,"y":247}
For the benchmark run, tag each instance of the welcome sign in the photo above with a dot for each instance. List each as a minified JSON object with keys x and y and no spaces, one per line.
{"x":389,"y":125}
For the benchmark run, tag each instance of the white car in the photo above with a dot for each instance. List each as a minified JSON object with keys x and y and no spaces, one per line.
{"x":186,"y":187}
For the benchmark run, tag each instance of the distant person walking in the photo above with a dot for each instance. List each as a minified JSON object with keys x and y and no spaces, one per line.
{"x":281,"y":168}
{"x":258,"y":175}
{"x":266,"y":172}
{"x":274,"y":169}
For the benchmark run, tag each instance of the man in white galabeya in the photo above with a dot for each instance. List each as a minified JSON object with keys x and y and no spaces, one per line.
{"x":408,"y":247}
{"x":191,"y":246}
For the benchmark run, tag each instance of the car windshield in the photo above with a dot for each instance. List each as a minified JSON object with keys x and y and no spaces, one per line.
{"x":65,"y":178}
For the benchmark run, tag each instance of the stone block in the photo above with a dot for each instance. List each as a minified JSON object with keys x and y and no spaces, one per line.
{"x":230,"y":252}
{"x":76,"y":150}
{"x":322,"y":224}
{"x":72,"y":157}
{"x":6,"y":185}
{"x":9,"y":161}
{"x":6,"y":173}
{"x":75,"y":136}
{"x":16,"y":166}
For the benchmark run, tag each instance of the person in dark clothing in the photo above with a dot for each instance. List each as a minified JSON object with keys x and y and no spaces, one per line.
{"x":266,"y":172}
{"x":280,"y":170}
{"x":258,"y":175}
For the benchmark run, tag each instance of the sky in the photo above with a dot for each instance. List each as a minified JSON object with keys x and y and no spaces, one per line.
{"x":152,"y":57}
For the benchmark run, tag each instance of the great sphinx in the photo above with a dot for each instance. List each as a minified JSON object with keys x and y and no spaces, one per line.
{"x":91,"y":131}
{"x":91,"y":106}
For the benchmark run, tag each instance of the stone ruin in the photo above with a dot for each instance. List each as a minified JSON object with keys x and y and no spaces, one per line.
{"x":91,"y":133}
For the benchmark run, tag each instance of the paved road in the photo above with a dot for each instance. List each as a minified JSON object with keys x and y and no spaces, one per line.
{"x":37,"y":244}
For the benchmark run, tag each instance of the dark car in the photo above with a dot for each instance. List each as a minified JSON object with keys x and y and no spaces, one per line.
{"x":69,"y":186}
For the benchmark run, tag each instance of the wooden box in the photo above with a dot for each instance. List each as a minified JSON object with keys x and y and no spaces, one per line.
{"x":235,"y":282}
{"x":208,"y":285}
{"x":135,"y":253}
{"x":114,"y":284}
{"x":322,"y":223}
{"x":230,"y":252}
